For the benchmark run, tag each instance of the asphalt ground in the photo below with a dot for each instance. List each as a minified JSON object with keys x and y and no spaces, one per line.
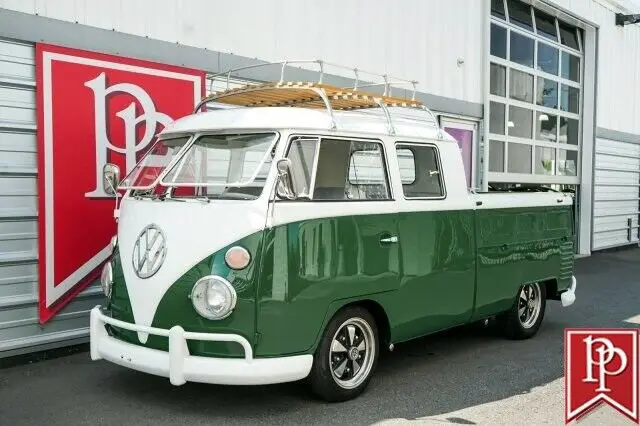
{"x":463,"y":376}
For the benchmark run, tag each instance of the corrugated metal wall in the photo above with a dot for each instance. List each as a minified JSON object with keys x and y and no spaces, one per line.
{"x":616,"y":207}
{"x":416,"y":39}
{"x":19,"y":327}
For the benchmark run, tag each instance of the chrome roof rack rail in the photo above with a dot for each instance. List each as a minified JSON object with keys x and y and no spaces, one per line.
{"x":328,"y":97}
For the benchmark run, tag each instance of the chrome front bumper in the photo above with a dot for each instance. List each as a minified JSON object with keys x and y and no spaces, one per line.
{"x":181,"y":367}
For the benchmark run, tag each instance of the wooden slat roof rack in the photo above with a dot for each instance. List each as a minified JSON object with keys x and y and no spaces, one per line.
{"x":314,"y":95}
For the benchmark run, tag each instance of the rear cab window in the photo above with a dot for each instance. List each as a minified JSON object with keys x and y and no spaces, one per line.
{"x":420,"y":171}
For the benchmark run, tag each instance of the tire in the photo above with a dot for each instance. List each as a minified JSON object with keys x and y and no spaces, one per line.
{"x":330,"y":358}
{"x":516,"y":326}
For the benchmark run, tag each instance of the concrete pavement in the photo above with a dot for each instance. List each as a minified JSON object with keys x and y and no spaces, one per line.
{"x":458,"y":377}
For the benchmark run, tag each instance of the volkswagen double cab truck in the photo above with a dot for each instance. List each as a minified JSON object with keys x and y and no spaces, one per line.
{"x":305,"y":229}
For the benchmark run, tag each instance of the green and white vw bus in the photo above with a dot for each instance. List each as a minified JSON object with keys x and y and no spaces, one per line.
{"x":305,"y":228}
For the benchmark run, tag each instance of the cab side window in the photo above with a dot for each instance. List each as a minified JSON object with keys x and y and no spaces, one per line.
{"x":346,"y":169}
{"x":420,"y":171}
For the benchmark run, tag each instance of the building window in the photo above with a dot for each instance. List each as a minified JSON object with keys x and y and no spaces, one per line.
{"x":498,"y":80}
{"x":497,"y":9}
{"x":535,"y":96}
{"x":496,"y":156}
{"x":498,"y":41}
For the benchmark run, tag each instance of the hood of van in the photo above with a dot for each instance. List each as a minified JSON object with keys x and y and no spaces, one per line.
{"x":160,"y":240}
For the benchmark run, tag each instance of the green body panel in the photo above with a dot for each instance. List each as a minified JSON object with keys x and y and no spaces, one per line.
{"x":176,"y":308}
{"x":309,"y":264}
{"x":517,"y":246}
{"x":446,"y":269}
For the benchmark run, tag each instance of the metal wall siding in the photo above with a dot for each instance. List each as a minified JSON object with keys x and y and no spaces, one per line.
{"x":616,"y":194}
{"x":19,"y":327}
{"x":420,"y":40}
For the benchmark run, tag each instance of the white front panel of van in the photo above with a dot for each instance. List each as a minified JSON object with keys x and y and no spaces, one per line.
{"x":193,"y":230}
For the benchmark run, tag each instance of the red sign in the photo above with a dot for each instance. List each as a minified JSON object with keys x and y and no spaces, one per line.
{"x":93,"y":109}
{"x":601,"y":366}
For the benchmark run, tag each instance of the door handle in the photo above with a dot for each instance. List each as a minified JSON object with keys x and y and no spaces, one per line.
{"x":389,"y":240}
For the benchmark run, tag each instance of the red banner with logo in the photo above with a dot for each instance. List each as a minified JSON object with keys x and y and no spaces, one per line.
{"x":601,"y":366}
{"x":93,"y":109}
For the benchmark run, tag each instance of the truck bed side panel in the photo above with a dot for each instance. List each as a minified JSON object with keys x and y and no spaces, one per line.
{"x":520,"y":245}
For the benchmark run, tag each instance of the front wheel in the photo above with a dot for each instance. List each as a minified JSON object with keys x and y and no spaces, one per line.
{"x":346,"y":357}
{"x":524,"y":318}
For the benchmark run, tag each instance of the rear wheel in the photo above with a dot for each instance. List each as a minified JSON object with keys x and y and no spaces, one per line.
{"x":524,"y":318}
{"x":346,"y":356}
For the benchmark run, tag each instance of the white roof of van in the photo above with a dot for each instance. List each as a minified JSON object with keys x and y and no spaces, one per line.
{"x":408,"y":122}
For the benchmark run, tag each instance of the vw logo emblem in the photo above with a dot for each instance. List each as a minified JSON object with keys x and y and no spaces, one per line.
{"x":149,"y":251}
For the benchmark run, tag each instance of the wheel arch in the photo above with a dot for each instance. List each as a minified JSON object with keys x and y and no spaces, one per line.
{"x":374,"y":307}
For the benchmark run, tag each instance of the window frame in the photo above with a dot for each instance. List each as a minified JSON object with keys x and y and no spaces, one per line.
{"x":347,"y":139}
{"x":408,"y":145}
{"x":506,"y":102}
{"x":200,"y":135}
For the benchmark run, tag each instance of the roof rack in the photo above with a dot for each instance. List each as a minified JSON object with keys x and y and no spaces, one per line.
{"x":316,"y":95}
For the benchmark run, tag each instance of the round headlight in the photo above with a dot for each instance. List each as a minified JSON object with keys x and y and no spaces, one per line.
{"x":106,"y":279}
{"x":237,"y":257}
{"x":213,"y":297}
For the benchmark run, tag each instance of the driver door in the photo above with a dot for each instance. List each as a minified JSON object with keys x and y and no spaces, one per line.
{"x":336,"y":241}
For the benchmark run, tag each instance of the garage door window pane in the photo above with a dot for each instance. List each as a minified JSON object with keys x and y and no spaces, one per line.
{"x":569,"y":99}
{"x":546,"y":126}
{"x":519,"y":158}
{"x":545,"y":25}
{"x":496,"y":118}
{"x":568,"y":35}
{"x":547,"y":93}
{"x":520,"y":14}
{"x":548,"y":58}
{"x":569,"y":131}
{"x":521,"y":49}
{"x":496,"y":156}
{"x":498,"y":41}
{"x":520,"y":86}
{"x":497,"y":9}
{"x":570,"y":67}
{"x":567,"y":163}
{"x":520,"y":122}
{"x":545,"y":161}
{"x":498,"y":80}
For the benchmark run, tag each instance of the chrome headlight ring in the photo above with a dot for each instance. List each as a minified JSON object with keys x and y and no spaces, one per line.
{"x":213,"y":297}
{"x":106,"y":279}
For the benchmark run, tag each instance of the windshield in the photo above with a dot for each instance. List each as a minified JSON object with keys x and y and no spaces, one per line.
{"x":214,"y":166}
{"x":145,"y":174}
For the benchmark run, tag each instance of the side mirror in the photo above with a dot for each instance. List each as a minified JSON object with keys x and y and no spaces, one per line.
{"x":110,"y":178}
{"x":286,"y":183}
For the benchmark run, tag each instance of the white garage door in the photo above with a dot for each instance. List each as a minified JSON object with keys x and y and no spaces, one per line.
{"x":616,"y":206}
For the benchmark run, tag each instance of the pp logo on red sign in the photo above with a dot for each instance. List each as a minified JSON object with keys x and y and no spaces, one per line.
{"x":601,"y":366}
